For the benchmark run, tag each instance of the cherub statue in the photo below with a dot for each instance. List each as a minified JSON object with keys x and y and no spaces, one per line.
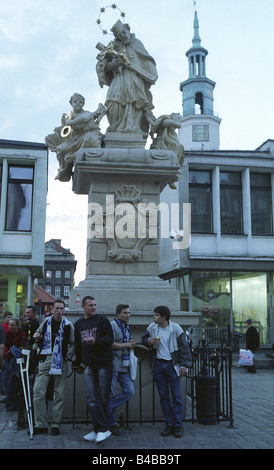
{"x":79,"y":129}
{"x":167,"y":138}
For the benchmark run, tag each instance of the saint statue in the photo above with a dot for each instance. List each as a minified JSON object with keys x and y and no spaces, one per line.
{"x":129,"y":71}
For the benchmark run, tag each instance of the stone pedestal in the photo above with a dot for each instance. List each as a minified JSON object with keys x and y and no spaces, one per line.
{"x":123,"y":237}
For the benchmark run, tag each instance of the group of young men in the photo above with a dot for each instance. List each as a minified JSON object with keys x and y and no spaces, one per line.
{"x":104,"y":348}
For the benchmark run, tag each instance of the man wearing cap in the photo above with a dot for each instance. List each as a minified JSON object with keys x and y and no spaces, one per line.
{"x":252,"y":341}
{"x":129,"y":71}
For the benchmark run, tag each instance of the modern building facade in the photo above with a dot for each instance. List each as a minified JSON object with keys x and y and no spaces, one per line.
{"x":23,"y":171}
{"x":226,"y":275}
{"x":60,"y":266}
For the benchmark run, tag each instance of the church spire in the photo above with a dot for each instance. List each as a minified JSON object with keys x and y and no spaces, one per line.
{"x":200,"y":125}
{"x":196,"y":54}
{"x":196,"y":41}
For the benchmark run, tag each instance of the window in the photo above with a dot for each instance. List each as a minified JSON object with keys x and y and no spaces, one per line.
{"x":48,"y":289}
{"x":48,"y":274}
{"x":57,"y":292}
{"x":66,"y":291}
{"x":19,"y":198}
{"x":67,"y":274}
{"x":231,"y":203}
{"x":261,"y":206}
{"x":0,"y":180}
{"x":57,"y":274}
{"x":200,"y":197}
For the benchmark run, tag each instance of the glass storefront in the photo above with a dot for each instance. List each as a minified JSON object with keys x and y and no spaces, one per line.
{"x":211,"y":297}
{"x":230,"y":297}
{"x":13,"y":294}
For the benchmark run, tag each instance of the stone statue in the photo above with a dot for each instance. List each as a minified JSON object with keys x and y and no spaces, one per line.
{"x":167,"y":138}
{"x":129,"y":71}
{"x":79,"y":129}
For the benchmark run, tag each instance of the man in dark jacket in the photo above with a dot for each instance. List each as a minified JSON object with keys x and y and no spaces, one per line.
{"x":93,"y":347}
{"x":170,"y":361}
{"x":252,"y":342}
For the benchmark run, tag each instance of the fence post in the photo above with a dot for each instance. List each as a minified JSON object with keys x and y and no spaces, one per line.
{"x":230,"y":374}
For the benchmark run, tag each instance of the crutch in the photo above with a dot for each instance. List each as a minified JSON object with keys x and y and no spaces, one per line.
{"x":27,"y":396}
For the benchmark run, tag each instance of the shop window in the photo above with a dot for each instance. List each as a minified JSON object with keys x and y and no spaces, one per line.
{"x":200,"y":198}
{"x":231,"y":203}
{"x":261,"y":205}
{"x":211,"y":297}
{"x":19,"y":198}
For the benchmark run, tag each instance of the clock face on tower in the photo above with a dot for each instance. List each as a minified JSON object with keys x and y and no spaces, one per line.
{"x":200,"y":133}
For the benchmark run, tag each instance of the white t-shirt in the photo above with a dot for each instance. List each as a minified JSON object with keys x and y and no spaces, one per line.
{"x":163,"y":348}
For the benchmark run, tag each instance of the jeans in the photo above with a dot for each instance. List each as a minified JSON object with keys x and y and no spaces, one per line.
{"x":98,"y":389}
{"x":168,"y":382}
{"x":127,"y":391}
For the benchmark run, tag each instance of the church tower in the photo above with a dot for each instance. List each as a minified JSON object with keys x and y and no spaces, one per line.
{"x":200,"y":128}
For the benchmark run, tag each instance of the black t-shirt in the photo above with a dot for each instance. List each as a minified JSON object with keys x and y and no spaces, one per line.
{"x":99,"y":328}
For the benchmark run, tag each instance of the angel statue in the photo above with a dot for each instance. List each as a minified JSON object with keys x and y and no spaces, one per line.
{"x":79,"y":129}
{"x":166,"y":137}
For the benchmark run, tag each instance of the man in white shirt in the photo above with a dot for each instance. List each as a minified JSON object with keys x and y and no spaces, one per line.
{"x":171,"y":359}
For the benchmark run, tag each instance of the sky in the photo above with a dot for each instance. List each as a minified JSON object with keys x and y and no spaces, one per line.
{"x":48,"y":52}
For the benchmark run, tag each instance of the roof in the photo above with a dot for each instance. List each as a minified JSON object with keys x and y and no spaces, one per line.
{"x":53,"y":243}
{"x":21,"y":144}
{"x":42,"y":295}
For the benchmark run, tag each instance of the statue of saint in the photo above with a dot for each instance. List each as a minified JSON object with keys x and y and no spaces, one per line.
{"x":79,"y":129}
{"x":129,"y":71}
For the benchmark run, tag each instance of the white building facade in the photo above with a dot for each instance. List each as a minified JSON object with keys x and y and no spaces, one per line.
{"x":226,"y":275}
{"x":24,"y":171}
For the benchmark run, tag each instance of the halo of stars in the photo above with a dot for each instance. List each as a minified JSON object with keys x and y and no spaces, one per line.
{"x":103,"y":10}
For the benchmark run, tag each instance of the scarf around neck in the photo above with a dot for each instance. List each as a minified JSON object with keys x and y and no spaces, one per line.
{"x":125,"y":351}
{"x":57,"y":358}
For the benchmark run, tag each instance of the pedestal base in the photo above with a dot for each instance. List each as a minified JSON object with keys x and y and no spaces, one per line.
{"x":141,"y":293}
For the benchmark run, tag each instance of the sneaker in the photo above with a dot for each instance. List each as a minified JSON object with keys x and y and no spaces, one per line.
{"x":167,"y":431}
{"x":178,"y":432}
{"x":39,"y":431}
{"x":115,"y":431}
{"x":91,"y":437}
{"x":101,"y":436}
{"x":55,"y":431}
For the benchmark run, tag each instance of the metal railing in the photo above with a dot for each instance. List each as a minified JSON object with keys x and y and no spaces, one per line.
{"x":215,"y":356}
{"x":265,"y":333}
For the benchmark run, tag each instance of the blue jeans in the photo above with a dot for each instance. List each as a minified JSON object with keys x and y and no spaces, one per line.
{"x":127,"y":391}
{"x":98,"y":389}
{"x":168,"y":382}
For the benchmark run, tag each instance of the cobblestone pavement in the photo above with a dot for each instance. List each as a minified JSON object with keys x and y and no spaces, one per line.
{"x":253,"y":427}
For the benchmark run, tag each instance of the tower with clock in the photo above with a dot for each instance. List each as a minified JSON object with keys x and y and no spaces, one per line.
{"x":200,"y":126}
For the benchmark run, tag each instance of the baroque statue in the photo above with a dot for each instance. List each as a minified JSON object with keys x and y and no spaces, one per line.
{"x":79,"y":129}
{"x":129,"y":71}
{"x":164,"y":136}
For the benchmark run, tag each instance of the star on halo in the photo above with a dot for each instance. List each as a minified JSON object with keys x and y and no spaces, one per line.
{"x":104,"y":10}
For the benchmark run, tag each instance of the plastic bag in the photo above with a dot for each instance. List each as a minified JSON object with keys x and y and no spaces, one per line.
{"x":133,"y":365}
{"x":246,"y":357}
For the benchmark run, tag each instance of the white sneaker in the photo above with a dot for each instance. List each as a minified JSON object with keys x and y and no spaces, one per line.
{"x":101,"y":436}
{"x":91,"y":437}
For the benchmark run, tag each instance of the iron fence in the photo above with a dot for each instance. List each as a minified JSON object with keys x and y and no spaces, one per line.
{"x":213,"y":357}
